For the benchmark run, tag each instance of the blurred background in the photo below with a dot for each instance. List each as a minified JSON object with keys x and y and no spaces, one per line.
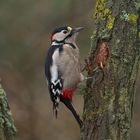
{"x":25,"y":28}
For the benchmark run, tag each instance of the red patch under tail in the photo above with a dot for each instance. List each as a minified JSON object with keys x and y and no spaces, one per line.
{"x":68,"y":93}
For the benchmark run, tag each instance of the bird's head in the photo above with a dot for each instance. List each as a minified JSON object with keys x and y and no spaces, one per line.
{"x":65,"y":34}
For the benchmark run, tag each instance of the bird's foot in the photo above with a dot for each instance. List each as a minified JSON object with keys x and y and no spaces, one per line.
{"x":97,"y":76}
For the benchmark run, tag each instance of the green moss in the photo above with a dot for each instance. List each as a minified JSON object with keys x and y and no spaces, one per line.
{"x":6,"y":120}
{"x":110,"y":18}
{"x":104,"y":13}
{"x":110,"y":22}
{"x":1,"y":91}
{"x":99,"y":8}
{"x":133,"y":18}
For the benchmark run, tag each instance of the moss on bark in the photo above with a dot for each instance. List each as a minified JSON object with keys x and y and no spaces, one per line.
{"x":7,"y":128}
{"x":108,"y":104}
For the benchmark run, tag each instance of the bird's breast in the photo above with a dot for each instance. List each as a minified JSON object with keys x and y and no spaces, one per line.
{"x":69,"y":67}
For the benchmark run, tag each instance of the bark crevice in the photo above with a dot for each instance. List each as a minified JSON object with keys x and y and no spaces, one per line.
{"x":108,"y":103}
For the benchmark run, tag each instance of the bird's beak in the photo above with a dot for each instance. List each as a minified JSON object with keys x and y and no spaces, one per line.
{"x":78,"y":29}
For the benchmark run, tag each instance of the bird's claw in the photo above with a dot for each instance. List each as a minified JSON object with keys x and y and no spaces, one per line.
{"x":97,"y":76}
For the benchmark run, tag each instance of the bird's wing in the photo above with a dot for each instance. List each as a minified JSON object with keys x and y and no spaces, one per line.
{"x":55,"y":82}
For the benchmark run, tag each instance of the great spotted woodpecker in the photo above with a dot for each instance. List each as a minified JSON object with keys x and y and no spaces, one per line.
{"x":62,"y":68}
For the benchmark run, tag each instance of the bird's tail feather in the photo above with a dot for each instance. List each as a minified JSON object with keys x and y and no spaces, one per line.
{"x":71,"y":108}
{"x":55,"y":109}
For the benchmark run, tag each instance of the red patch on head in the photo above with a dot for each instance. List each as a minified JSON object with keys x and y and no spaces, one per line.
{"x":51,"y":36}
{"x":68,"y":93}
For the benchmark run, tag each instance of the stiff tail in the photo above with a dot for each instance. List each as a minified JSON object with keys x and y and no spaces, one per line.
{"x":55,"y":109}
{"x":71,"y":108}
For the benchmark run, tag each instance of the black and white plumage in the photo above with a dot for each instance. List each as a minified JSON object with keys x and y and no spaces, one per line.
{"x":55,"y":82}
{"x":62,"y":67}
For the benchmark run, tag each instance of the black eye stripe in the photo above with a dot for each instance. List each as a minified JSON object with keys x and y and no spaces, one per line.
{"x":59,"y":30}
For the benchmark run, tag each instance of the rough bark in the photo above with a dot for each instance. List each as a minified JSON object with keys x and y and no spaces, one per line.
{"x":108,"y":100}
{"x":7,"y":128}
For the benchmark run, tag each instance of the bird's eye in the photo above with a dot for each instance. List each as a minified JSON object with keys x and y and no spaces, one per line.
{"x":65,"y":31}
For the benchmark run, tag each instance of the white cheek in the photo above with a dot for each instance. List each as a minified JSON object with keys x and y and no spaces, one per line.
{"x":58,"y":36}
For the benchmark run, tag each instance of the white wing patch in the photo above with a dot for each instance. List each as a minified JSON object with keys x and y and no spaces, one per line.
{"x":54,"y":73}
{"x":53,"y":68}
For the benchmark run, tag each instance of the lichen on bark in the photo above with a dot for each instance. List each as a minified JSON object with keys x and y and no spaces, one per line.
{"x":108,"y":104}
{"x":7,"y":128}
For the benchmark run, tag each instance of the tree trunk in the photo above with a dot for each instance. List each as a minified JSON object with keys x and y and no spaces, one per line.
{"x":115,"y":54}
{"x":7,"y":128}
